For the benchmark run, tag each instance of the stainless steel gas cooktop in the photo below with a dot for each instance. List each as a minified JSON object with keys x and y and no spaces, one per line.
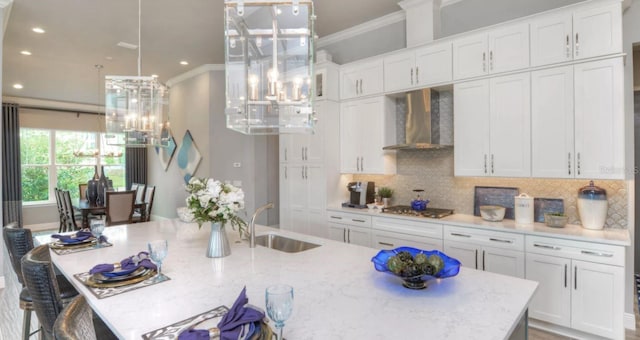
{"x":406,"y":210}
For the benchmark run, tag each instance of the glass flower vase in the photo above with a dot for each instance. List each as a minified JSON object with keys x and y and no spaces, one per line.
{"x":218,"y":241}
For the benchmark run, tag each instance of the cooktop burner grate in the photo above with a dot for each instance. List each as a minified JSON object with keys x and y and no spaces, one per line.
{"x":407,"y":211}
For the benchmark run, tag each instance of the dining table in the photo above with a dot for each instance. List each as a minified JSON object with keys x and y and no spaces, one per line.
{"x":85,"y":208}
{"x":337,"y":292}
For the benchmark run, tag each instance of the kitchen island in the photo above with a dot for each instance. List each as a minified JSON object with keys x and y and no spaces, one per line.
{"x":338,"y":293}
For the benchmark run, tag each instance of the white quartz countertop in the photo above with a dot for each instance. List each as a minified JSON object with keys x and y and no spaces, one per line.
{"x":570,"y":231}
{"x":338,"y":293}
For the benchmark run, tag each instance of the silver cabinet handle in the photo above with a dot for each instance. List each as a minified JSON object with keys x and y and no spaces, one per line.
{"x":357,"y":220}
{"x":417,"y":75}
{"x":596,"y":253}
{"x":349,"y":236}
{"x":361,"y":89}
{"x":546,"y":246}
{"x":575,"y":277}
{"x":306,"y":172}
{"x":412,"y":76}
{"x":285,"y":173}
{"x":302,"y":172}
{"x":483,"y":260}
{"x":336,"y":217}
{"x":285,"y":154}
{"x":499,"y":240}
{"x":492,"y":169}
{"x":578,"y":160}
{"x":344,"y":235}
{"x":306,"y":153}
{"x":491,"y":60}
{"x":568,"y":47}
{"x":484,"y":61}
{"x":357,"y":163}
{"x":302,"y":153}
{"x":361,"y":163}
{"x":357,"y":81}
{"x":385,"y":244}
{"x":460,"y":235}
{"x":485,"y":163}
{"x":577,"y":44}
{"x":569,"y":163}
{"x":476,"y":258}
{"x":565,"y":276}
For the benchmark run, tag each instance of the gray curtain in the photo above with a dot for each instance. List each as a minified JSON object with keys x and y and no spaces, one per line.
{"x":11,"y":174}
{"x":136,"y":166}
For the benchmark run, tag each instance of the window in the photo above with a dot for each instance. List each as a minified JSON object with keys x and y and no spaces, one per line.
{"x":48,"y":161}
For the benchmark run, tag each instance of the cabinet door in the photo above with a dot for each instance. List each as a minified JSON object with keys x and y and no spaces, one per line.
{"x":315,"y":187}
{"x":597,"y":31}
{"x":503,"y":261}
{"x":552,"y":301}
{"x":297,"y":198}
{"x":599,"y":119}
{"x":349,"y":138}
{"x":349,"y":82}
{"x":552,"y":123}
{"x":510,"y":127}
{"x":295,"y":152}
{"x":509,"y":48}
{"x":597,"y":299}
{"x":551,"y":39}
{"x":359,"y":236}
{"x":314,"y":143}
{"x":371,"y":120}
{"x":399,"y":71}
{"x":285,"y":147}
{"x":470,"y":57}
{"x":433,"y":64}
{"x":337,"y":232}
{"x":285,"y":219}
{"x":471,"y":126}
{"x":466,"y":253}
{"x":371,"y":78}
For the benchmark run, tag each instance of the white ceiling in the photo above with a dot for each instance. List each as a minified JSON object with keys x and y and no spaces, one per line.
{"x":82,"y":33}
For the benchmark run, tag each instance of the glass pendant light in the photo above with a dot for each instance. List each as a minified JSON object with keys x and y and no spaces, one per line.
{"x":269,"y":48}
{"x":136,"y":107}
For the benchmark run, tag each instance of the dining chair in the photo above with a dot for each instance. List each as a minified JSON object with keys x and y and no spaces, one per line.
{"x":61,"y":212}
{"x":83,"y":190}
{"x":120,"y":206}
{"x":78,"y":322}
{"x":70,"y":213}
{"x":140,"y":191}
{"x":48,"y":292}
{"x":148,"y":200}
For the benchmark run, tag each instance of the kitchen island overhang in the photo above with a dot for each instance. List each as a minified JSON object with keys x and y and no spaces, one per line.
{"x":338,"y":293}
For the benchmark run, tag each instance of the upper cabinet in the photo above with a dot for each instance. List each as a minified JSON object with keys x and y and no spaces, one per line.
{"x":585,"y":33}
{"x":418,"y":68}
{"x":499,"y":50}
{"x":361,"y":79}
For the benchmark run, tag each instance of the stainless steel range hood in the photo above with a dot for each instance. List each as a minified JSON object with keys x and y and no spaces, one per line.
{"x":422,"y":128}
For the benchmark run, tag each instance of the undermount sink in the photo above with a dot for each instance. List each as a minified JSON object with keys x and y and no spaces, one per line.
{"x":288,"y":245}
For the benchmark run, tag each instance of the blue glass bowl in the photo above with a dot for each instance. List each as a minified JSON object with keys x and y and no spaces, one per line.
{"x":451,"y":266}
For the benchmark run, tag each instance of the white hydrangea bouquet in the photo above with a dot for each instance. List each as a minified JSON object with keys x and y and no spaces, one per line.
{"x":213,"y":201}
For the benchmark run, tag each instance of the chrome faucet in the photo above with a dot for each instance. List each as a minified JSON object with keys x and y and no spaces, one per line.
{"x":252,"y":225}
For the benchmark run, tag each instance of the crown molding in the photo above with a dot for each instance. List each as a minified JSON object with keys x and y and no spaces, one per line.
{"x":195,"y":72}
{"x":45,"y":104}
{"x":361,"y":29}
{"x":5,"y":5}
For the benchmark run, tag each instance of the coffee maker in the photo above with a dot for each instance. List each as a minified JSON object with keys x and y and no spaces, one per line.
{"x":360,"y":194}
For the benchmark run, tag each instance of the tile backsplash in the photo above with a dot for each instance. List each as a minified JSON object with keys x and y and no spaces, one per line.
{"x":432,"y":171}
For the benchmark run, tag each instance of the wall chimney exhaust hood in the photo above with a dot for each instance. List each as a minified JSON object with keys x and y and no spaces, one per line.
{"x":422,"y":128}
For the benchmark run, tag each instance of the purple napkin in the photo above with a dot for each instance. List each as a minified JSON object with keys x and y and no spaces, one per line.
{"x":241,"y":321}
{"x":73,"y":238}
{"x":127,"y":265}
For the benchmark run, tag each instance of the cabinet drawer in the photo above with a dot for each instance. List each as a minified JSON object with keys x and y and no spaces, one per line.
{"x":585,"y":251}
{"x":349,"y":219}
{"x":391,"y":240}
{"x":416,"y":228}
{"x":495,"y":239}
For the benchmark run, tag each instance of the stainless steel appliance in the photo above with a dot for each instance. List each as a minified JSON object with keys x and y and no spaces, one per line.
{"x":406,"y":210}
{"x":360,"y":194}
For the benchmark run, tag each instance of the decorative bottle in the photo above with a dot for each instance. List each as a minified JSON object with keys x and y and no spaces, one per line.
{"x":102,"y":186}
{"x":92,"y":187}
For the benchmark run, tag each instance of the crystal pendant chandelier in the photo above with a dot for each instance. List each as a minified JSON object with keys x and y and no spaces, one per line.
{"x":136,"y":107}
{"x":269,"y":48}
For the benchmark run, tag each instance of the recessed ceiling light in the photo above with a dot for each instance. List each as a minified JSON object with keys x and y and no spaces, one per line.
{"x":25,"y":52}
{"x":17,"y":86}
{"x":154,"y":75}
{"x":38,"y":30}
{"x":108,"y":58}
{"x":184,"y":62}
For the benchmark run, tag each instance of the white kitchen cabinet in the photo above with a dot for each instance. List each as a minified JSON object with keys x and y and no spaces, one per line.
{"x":297,"y":148}
{"x":350,"y":228}
{"x":581,"y":284}
{"x":366,"y":126}
{"x":497,"y":252}
{"x":565,"y":35}
{"x":492,"y":124}
{"x":599,"y":119}
{"x":391,"y":233}
{"x":500,"y":50}
{"x":552,"y":125}
{"x":285,"y":216}
{"x":307,"y":199}
{"x":418,"y":67}
{"x":361,"y":78}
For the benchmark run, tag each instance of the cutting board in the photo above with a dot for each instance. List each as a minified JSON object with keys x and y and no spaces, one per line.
{"x":546,"y":205}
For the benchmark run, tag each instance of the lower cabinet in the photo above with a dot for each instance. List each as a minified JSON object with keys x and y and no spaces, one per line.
{"x":390,"y":233}
{"x":350,"y":228}
{"x":495,"y":252}
{"x":581,"y":285}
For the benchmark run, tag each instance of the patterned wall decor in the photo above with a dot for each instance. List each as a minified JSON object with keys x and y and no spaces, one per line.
{"x":165,"y":154}
{"x":188,"y":157}
{"x":433,"y":172}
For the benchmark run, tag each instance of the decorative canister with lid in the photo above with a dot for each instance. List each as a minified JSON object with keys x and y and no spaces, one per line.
{"x":523,"y":209}
{"x":592,"y":206}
